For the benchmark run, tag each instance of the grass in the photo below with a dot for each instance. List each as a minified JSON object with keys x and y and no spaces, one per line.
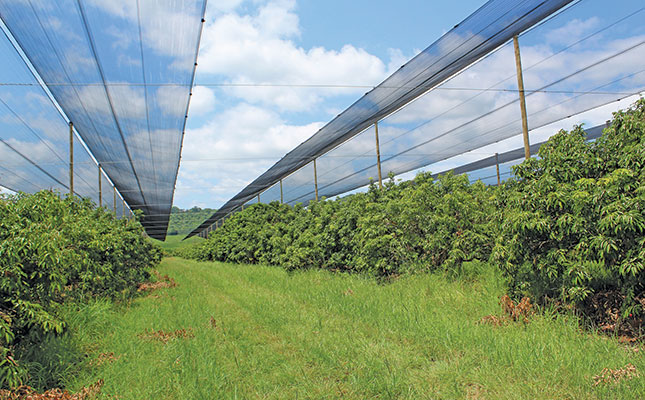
{"x":262,"y":333}
{"x":173,"y":242}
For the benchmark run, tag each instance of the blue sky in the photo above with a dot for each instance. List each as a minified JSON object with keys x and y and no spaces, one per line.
{"x":237,"y":133}
{"x":237,"y":130}
{"x":378,"y":26}
{"x":320,"y":42}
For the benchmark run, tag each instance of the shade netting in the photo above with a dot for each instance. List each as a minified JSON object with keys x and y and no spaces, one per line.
{"x":122,"y":72}
{"x":461,"y":94}
{"x":485,"y":169}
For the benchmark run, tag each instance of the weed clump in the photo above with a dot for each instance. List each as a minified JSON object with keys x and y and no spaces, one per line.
{"x":520,"y":311}
{"x":29,"y":393}
{"x":164,"y":337}
{"x":614,"y":376}
{"x":162,"y":282}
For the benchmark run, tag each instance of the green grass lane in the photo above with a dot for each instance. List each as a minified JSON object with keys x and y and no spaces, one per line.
{"x":174,"y":242}
{"x":318,"y":335}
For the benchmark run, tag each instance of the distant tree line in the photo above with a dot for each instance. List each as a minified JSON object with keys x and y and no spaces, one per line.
{"x":183,"y":221}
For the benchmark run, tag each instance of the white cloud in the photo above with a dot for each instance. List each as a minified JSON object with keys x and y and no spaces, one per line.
{"x":155,"y":24}
{"x":128,"y":101}
{"x":575,"y":29}
{"x":260,"y":49}
{"x":202,"y":101}
{"x":250,"y":49}
{"x":245,"y":131}
{"x":233,"y":148}
{"x":172,"y":100}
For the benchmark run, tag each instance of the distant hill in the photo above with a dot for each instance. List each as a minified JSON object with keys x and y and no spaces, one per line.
{"x":184,"y":221}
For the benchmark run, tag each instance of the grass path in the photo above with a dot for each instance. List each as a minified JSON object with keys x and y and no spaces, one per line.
{"x":316,"y":335}
{"x":173,"y":242}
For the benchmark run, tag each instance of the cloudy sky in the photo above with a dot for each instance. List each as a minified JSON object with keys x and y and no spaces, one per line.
{"x":254,"y":102}
{"x":271,"y":73}
{"x":235,"y":133}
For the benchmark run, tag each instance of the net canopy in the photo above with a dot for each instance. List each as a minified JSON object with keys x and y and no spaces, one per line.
{"x":480,"y":33}
{"x":34,"y":139}
{"x":461,"y":94}
{"x":485,"y":169}
{"x":122,"y":73}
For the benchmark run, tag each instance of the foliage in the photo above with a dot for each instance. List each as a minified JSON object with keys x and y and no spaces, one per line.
{"x":53,"y":249}
{"x":574,"y":218}
{"x":183,"y":221}
{"x":568,"y":227}
{"x":419,"y":225}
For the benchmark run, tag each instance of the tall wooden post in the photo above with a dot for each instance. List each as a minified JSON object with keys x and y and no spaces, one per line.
{"x":71,"y":158}
{"x":520,"y":87}
{"x":100,"y":188}
{"x":316,"y":179}
{"x":114,"y":203}
{"x":499,"y":181}
{"x":258,"y":198}
{"x":281,"y":194}
{"x":378,"y":157}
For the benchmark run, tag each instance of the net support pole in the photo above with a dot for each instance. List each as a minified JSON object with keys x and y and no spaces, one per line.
{"x":71,"y":158}
{"x":100,"y":188}
{"x":520,"y":88}
{"x":316,"y":179}
{"x":378,"y":157}
{"x":499,"y":181}
{"x":281,"y":193}
{"x":114,"y":202}
{"x":258,"y":199}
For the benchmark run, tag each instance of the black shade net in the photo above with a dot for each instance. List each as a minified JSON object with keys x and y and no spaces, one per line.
{"x":122,"y":72}
{"x":461,"y":94}
{"x":486,"y":168}
{"x":34,"y":137}
{"x":482,"y":32}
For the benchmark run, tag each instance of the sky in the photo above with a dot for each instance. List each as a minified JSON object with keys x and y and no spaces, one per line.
{"x":258,"y":90}
{"x":235,"y":133}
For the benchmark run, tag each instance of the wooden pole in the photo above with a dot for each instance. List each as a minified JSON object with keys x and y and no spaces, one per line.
{"x":114,"y":203}
{"x":71,"y":158}
{"x":499,"y":181}
{"x":520,"y":87}
{"x":316,"y":179}
{"x":378,"y":157}
{"x":100,"y":188}
{"x":281,"y":194}
{"x":258,"y":199}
